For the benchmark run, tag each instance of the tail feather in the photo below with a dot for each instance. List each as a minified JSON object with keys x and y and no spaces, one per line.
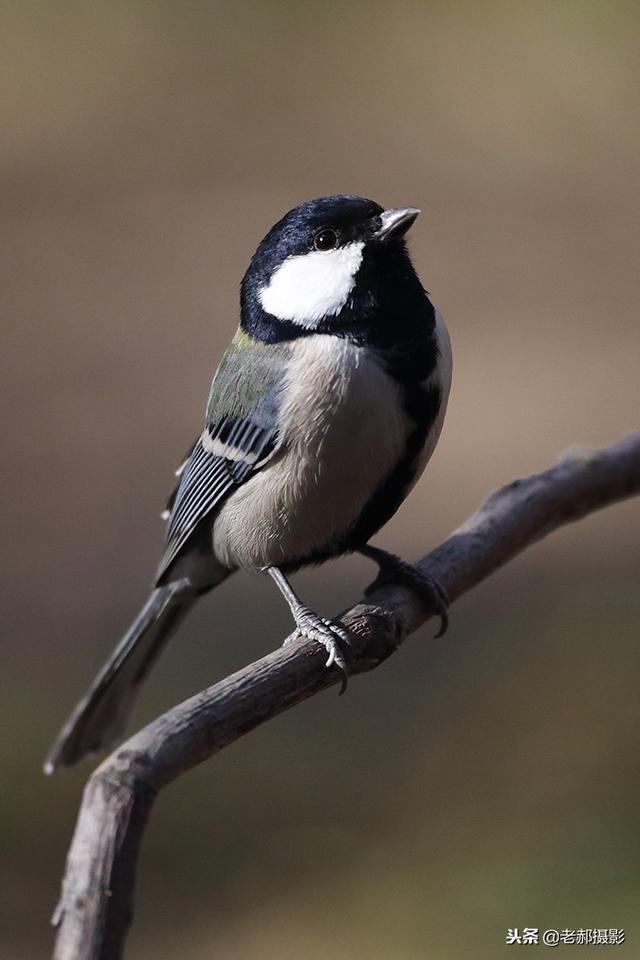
{"x":100,"y":717}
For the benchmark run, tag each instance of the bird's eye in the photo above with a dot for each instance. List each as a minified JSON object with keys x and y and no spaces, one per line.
{"x":326,"y":240}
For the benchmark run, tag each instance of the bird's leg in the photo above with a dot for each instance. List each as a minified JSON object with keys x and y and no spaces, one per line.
{"x":330,"y":633}
{"x":395,"y":570}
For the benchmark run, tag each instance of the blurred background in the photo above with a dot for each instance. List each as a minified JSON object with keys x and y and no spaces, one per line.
{"x":478,"y":782}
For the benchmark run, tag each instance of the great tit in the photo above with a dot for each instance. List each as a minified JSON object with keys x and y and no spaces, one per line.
{"x":322,"y":415}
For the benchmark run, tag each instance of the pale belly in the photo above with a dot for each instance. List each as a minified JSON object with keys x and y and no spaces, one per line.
{"x":344,"y":431}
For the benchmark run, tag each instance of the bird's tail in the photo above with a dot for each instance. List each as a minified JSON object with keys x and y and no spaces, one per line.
{"x":101,"y":715}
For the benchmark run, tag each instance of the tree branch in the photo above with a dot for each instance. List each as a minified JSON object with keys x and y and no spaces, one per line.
{"x":95,"y":907}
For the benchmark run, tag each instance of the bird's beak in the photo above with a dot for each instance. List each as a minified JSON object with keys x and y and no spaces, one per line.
{"x":395,"y":222}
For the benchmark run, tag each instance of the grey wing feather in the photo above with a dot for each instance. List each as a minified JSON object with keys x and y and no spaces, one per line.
{"x":227,"y":453}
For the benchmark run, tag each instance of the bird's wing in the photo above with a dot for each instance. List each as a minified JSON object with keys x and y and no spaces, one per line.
{"x":240,"y":436}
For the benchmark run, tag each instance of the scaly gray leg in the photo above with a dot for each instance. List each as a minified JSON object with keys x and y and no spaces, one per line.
{"x":330,"y":633}
{"x":395,"y":570}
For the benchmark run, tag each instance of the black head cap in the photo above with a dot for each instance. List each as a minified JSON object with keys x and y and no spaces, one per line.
{"x":335,"y":223}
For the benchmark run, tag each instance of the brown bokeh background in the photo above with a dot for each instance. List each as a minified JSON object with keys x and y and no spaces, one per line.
{"x":478,"y":782}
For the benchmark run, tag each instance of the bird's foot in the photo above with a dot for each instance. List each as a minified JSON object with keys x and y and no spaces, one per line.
{"x":394,"y":569}
{"x":331,"y":634}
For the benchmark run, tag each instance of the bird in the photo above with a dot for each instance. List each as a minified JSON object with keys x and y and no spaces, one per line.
{"x":322,"y":415}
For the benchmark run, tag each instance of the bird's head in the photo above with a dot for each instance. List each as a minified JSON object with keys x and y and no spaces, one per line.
{"x":332,"y":265}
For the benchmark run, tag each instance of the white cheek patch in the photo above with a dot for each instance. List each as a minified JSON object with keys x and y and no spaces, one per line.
{"x":311,"y":286}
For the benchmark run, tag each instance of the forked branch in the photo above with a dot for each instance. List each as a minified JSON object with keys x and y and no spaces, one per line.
{"x":95,"y":907}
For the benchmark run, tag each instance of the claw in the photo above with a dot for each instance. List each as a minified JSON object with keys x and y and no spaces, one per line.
{"x":394,"y":569}
{"x":441,"y":603}
{"x":336,"y":627}
{"x":330,"y":635}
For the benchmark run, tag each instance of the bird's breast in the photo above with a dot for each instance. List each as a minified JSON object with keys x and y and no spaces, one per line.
{"x":343,"y":429}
